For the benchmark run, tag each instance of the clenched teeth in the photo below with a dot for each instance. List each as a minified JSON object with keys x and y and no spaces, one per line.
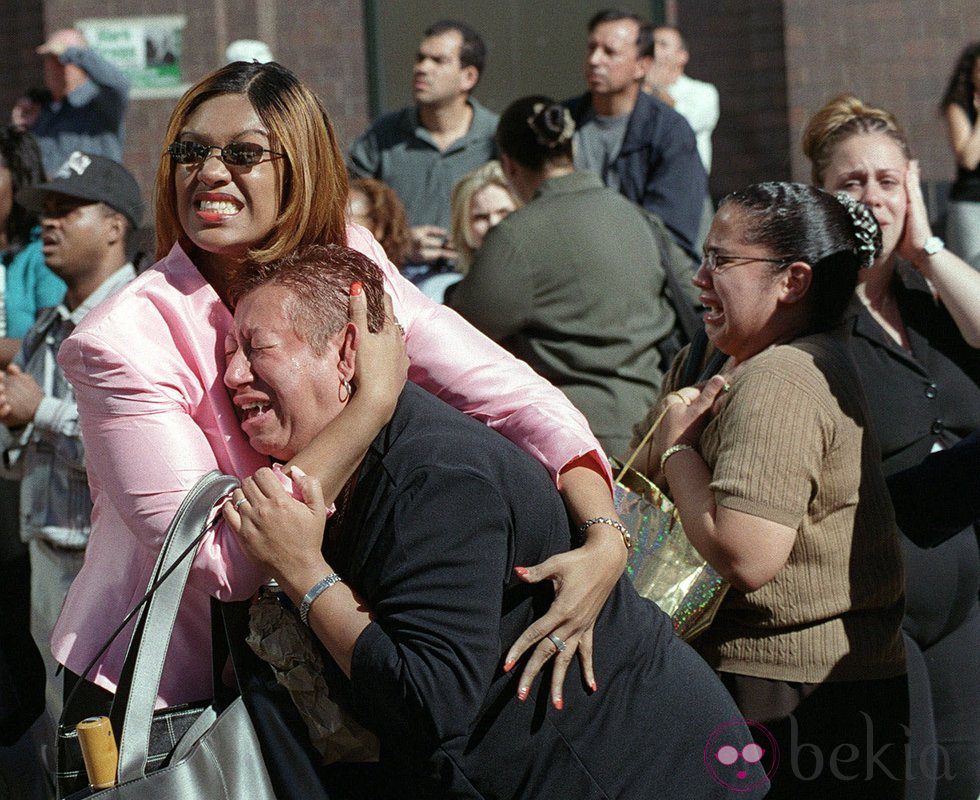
{"x":218,"y":206}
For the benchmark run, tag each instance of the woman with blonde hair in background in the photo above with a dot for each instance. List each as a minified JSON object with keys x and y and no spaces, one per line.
{"x":961,"y":108}
{"x":480,"y":200}
{"x":914,"y":329}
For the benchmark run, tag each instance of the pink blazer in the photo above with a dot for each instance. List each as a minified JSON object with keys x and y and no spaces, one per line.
{"x":147,"y":370}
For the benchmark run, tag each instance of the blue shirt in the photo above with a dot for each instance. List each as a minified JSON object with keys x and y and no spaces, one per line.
{"x":30,"y":286}
{"x":55,"y":503}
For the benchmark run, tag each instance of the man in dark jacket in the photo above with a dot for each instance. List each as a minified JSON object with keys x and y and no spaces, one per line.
{"x":638,"y":145}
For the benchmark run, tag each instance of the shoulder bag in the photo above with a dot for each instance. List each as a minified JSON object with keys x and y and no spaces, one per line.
{"x":209,"y":750}
{"x":663,"y":565}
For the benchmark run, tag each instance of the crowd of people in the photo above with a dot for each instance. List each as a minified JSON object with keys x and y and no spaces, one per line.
{"x":418,"y":356}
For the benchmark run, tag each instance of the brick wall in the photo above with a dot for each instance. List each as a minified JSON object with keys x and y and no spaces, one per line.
{"x":20,"y":67}
{"x":321,"y":40}
{"x":775,"y":62}
{"x":896,"y":54}
{"x":738,"y":45}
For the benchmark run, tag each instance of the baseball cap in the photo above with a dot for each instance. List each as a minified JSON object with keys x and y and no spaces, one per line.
{"x":90,"y":177}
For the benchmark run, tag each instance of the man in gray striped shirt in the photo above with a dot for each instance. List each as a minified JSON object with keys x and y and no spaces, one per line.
{"x":87,"y":211}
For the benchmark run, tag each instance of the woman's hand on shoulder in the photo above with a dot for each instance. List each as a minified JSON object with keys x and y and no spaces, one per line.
{"x":583,"y":579}
{"x":382,"y":362}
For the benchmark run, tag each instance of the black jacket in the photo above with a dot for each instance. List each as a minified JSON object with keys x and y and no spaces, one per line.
{"x":658,"y":166}
{"x":443,"y":510}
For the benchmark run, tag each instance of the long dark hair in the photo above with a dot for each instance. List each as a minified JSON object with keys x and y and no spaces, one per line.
{"x":535,"y":131}
{"x":799,"y":222}
{"x":19,"y":153}
{"x":960,"y":89}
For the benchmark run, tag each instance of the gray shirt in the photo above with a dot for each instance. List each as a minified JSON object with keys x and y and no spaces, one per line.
{"x":55,"y":504}
{"x":90,"y":118}
{"x":598,"y":141}
{"x":396,"y":149}
{"x":572,"y":284}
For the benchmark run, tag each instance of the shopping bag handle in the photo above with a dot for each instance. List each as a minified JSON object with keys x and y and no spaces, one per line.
{"x":139,"y":684}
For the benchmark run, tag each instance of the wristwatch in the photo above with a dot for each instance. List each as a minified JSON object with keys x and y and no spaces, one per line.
{"x":933,"y":245}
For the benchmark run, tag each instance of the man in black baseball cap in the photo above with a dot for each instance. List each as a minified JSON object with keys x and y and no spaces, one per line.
{"x":87,"y":210}
{"x":90,"y":177}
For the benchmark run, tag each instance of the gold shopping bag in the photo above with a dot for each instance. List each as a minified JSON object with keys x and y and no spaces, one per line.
{"x":663,"y":565}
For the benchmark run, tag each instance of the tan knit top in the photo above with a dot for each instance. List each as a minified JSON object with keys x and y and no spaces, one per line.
{"x":791,"y":444}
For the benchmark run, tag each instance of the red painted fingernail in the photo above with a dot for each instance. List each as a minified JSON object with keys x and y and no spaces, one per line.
{"x":509,"y":665}
{"x":558,"y":703}
{"x":522,"y":694}
{"x":593,"y":687}
{"x":521,"y":572}
{"x":355,"y":288}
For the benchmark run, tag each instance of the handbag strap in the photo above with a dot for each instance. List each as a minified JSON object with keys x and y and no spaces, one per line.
{"x":691,"y":373}
{"x":139,"y":683}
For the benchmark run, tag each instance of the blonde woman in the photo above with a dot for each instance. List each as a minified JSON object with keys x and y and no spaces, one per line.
{"x":481,"y":199}
{"x":914,"y":330}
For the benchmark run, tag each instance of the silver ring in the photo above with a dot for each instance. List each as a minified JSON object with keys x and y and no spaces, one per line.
{"x":243,"y":500}
{"x":557,"y":642}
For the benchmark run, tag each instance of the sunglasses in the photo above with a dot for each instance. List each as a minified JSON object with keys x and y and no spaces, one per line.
{"x":236,"y":154}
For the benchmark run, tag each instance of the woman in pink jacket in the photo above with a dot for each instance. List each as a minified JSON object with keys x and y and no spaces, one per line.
{"x":253,"y":171}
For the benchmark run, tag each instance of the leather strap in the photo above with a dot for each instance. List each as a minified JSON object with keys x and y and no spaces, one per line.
{"x":140,"y":680}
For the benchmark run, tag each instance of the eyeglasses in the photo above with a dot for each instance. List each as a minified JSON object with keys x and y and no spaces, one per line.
{"x":236,"y":154}
{"x":716,"y":262}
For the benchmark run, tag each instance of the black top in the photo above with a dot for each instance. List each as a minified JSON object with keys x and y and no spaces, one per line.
{"x":920,"y":398}
{"x":916,"y":400}
{"x":967,"y":184}
{"x":658,"y":166}
{"x":939,"y":497}
{"x":443,"y":510}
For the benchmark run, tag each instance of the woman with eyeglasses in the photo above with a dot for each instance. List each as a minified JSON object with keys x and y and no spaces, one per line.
{"x":776,"y":477}
{"x":251,"y":171}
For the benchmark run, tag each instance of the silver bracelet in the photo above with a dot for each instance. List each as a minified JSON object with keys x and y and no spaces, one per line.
{"x":318,"y":588}
{"x":672,"y":451}
{"x":619,"y":526}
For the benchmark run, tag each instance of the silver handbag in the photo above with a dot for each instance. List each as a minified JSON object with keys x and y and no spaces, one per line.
{"x":219,"y":755}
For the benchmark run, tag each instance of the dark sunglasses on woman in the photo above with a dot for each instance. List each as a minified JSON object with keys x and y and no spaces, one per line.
{"x":236,"y":154}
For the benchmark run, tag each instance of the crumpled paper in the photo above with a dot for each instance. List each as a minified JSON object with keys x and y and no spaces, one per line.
{"x":277,"y":636}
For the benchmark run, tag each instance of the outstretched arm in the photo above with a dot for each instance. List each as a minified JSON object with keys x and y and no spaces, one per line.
{"x":99,"y":69}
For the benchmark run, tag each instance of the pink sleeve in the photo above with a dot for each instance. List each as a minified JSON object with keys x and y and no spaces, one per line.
{"x":145,"y":451}
{"x":454,"y":361}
